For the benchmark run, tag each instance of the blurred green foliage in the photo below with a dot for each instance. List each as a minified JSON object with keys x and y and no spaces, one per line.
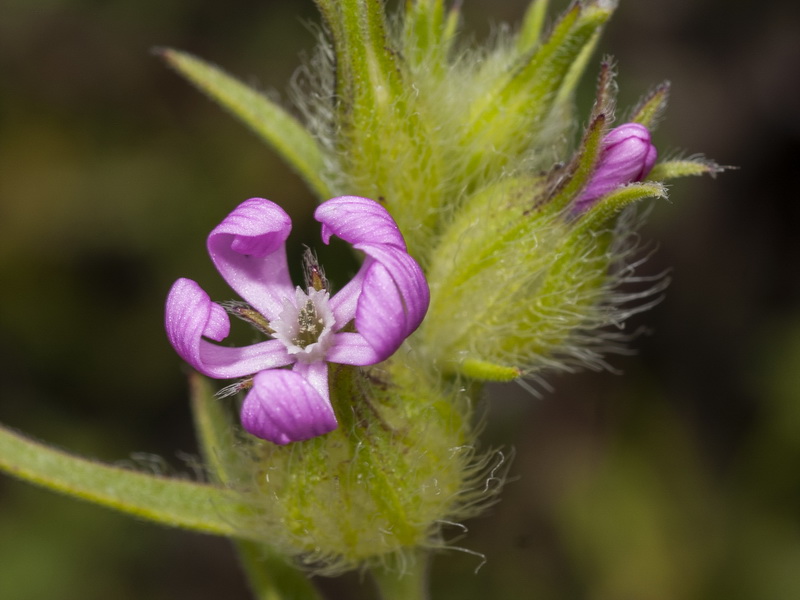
{"x":680,"y":480}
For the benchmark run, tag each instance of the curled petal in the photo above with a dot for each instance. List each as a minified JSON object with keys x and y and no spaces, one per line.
{"x":191,"y":315}
{"x":283,"y":407}
{"x":381,"y":316}
{"x":248,"y":249}
{"x":367,"y":225}
{"x":407,"y":277}
{"x":390,"y":305}
{"x":358,"y":220}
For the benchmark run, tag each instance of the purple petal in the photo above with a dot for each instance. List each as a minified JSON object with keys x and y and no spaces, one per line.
{"x":316,"y":374}
{"x":364,"y":223}
{"x":388,"y":297}
{"x":283,"y":407}
{"x":393,"y":301}
{"x":248,"y":249}
{"x":406,"y":275}
{"x":191,"y":315}
{"x":358,"y":220}
{"x":352,"y":349}
{"x":381,"y":316}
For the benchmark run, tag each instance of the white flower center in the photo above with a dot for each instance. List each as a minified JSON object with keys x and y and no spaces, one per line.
{"x":305,"y":325}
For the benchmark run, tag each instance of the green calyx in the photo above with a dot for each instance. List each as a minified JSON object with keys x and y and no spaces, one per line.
{"x":513,"y":281}
{"x":522,"y":281}
{"x":399,"y":465}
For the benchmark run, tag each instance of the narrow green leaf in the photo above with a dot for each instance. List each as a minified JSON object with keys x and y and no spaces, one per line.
{"x":367,"y":69}
{"x":486,"y":371}
{"x":532,"y":25}
{"x":652,"y":106}
{"x":670,"y":169}
{"x":524,"y":97}
{"x":606,"y":90}
{"x":429,"y":32}
{"x":175,"y":502}
{"x":270,"y":575}
{"x":611,"y":204}
{"x":384,"y":130}
{"x":580,"y":169}
{"x":576,"y":70}
{"x":451,"y":24}
{"x":423,"y":26}
{"x":530,"y":70}
{"x":268,"y":120}
{"x":540,"y":74}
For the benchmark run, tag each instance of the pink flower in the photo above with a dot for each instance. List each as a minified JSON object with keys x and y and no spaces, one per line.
{"x":363,"y":324}
{"x":627,"y":156}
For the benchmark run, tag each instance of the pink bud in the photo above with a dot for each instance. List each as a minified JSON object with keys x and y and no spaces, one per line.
{"x":627,"y":156}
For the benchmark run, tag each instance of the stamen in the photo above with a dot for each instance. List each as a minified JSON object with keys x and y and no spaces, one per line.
{"x":305,"y":325}
{"x":310,"y":325}
{"x":313,"y":273}
{"x":248,"y":314}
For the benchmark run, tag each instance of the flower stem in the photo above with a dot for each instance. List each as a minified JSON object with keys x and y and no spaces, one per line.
{"x":403,"y":579}
{"x":272,"y":578}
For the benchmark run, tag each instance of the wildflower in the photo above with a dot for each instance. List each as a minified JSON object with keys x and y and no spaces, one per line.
{"x":363,"y":324}
{"x":627,"y":156}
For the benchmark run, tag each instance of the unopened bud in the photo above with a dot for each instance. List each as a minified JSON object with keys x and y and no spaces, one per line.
{"x":627,"y":156}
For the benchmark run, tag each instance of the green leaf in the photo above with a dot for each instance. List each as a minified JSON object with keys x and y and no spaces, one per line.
{"x":367,"y":69}
{"x":422,"y":30}
{"x":532,"y":24}
{"x":606,"y":89}
{"x":271,"y":577}
{"x":525,"y":96}
{"x":611,"y":204}
{"x":576,"y":70}
{"x":652,"y":106}
{"x":174,"y":502}
{"x":531,"y":85}
{"x":384,"y":130}
{"x":451,"y":24}
{"x":487,"y":371}
{"x":268,"y":120}
{"x":581,"y":168}
{"x":670,"y":169}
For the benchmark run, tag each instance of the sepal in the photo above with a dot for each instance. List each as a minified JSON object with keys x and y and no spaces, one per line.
{"x":426,"y":37}
{"x":524,"y":96}
{"x":651,"y":108}
{"x":672,"y":169}
{"x":530,"y":32}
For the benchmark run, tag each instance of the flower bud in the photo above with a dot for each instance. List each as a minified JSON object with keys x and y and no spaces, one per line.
{"x":525,"y":277}
{"x":627,"y":156}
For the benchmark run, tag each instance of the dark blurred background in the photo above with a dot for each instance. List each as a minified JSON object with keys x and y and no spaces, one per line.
{"x":678,"y":480}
